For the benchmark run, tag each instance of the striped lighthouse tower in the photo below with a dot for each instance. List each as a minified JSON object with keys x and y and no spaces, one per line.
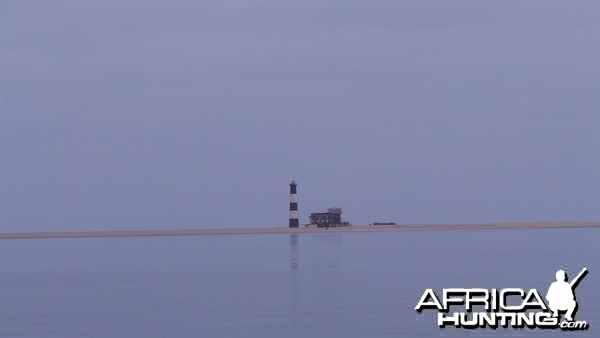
{"x":293,"y":206}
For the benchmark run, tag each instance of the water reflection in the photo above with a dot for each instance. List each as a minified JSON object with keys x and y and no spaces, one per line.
{"x":326,"y":250}
{"x":294,"y":251}
{"x":295,"y":305}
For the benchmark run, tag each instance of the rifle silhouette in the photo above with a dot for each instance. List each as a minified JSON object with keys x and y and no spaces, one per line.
{"x":577,"y":278}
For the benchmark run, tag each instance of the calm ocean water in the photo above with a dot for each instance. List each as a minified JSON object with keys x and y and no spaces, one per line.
{"x":305,"y":285}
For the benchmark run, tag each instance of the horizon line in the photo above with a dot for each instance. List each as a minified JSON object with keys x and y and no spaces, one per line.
{"x":287,"y":230}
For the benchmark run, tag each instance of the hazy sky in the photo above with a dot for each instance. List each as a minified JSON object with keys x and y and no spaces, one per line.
{"x":182,"y":114}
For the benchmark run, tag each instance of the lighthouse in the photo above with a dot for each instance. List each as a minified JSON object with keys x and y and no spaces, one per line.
{"x":293,"y":206}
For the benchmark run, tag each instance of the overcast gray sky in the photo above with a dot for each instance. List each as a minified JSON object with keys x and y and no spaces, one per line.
{"x":183,"y":114}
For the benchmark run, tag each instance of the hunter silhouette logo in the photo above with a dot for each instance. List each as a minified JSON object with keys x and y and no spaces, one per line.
{"x":561,"y":295}
{"x":509,"y":307}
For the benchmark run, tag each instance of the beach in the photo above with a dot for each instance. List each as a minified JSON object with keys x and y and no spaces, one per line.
{"x":286,"y":230}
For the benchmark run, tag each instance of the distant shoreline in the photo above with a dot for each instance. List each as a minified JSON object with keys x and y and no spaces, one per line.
{"x":301,"y":230}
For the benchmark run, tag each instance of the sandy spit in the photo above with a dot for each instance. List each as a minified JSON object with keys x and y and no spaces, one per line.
{"x":285,"y":230}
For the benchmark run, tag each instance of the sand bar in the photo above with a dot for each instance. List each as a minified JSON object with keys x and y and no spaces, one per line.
{"x":285,"y":230}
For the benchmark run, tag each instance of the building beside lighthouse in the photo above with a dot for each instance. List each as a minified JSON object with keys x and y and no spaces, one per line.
{"x":328,"y":219}
{"x":293,"y":206}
